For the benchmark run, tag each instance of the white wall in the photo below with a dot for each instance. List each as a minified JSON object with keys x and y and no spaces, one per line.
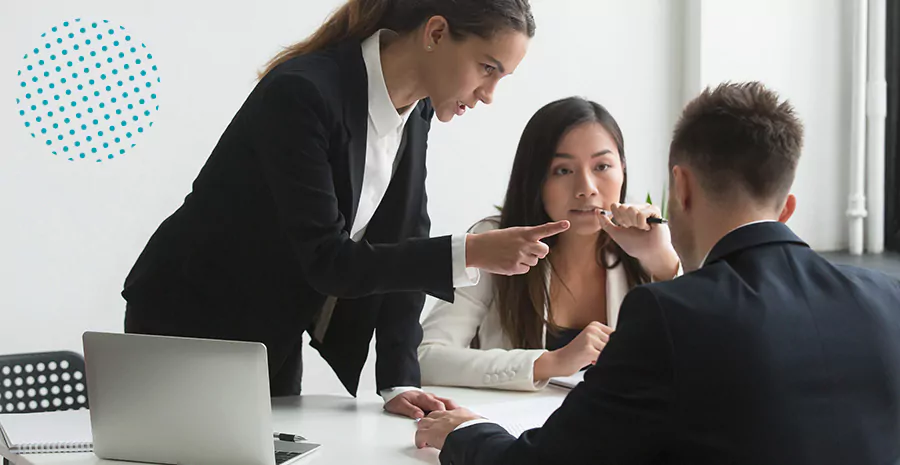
{"x":71,"y":230}
{"x":802,"y":49}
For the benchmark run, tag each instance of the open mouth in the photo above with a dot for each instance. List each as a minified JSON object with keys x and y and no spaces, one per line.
{"x":460,"y":108}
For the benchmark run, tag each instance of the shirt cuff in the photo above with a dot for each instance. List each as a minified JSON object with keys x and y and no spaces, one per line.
{"x":462,"y":276}
{"x":389,"y":393}
{"x":473,"y":422}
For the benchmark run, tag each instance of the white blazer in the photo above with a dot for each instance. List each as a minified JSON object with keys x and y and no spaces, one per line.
{"x":446,"y":357}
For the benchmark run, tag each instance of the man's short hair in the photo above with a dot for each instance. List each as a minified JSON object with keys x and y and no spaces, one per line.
{"x":739,"y":139}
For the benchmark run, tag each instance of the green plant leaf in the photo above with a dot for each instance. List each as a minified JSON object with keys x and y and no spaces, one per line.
{"x":649,"y":200}
{"x":664,"y":206}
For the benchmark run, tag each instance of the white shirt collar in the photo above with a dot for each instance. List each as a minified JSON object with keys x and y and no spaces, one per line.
{"x":381,"y":109}
{"x":729,"y":232}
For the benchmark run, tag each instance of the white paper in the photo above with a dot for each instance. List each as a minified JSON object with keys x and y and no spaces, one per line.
{"x":521,"y":415}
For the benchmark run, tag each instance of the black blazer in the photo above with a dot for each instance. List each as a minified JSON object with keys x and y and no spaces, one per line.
{"x":263,"y":237}
{"x":769,"y":354}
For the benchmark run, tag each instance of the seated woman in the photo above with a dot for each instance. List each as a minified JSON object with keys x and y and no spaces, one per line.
{"x":516,"y":332}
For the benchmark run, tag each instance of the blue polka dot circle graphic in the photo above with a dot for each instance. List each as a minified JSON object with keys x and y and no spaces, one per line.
{"x":88,"y":90}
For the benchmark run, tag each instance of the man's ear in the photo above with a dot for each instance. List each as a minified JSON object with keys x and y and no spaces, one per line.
{"x":681,"y":190}
{"x":790,"y":204}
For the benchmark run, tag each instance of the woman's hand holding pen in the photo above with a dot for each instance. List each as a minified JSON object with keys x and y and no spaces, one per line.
{"x":510,"y":251}
{"x":650,"y":243}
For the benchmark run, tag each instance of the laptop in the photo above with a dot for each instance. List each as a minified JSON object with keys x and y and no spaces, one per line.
{"x":176,"y":400}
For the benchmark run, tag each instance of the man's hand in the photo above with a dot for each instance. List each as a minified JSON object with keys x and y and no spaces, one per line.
{"x":433,"y":430}
{"x":414,"y":404}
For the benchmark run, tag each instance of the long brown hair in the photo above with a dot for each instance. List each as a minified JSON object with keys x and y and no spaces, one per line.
{"x":521,"y":299}
{"x":358,"y":19}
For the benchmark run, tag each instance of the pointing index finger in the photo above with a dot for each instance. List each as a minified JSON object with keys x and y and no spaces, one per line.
{"x":548,"y":229}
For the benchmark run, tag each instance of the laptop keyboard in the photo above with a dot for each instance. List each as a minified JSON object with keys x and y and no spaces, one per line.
{"x":281,"y":457}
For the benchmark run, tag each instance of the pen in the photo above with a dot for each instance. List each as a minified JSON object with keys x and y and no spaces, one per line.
{"x":650,"y":220}
{"x":288,"y":437}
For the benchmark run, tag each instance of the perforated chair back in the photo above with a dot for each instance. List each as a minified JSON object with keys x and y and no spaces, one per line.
{"x":42,"y":382}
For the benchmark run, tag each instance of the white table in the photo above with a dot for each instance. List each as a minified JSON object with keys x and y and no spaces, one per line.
{"x":358,"y":430}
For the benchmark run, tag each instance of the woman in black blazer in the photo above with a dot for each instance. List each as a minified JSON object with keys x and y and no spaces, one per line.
{"x":310,"y":214}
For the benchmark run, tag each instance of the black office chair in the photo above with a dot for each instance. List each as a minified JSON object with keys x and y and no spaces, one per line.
{"x":42,"y":382}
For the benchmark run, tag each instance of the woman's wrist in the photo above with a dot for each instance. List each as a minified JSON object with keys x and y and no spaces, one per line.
{"x":545,"y":367}
{"x":662,"y":266}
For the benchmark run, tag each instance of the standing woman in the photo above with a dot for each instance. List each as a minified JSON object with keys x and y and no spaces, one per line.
{"x":310,"y":214}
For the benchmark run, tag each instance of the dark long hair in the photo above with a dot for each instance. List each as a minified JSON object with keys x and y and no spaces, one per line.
{"x":522,"y":298}
{"x":358,"y":19}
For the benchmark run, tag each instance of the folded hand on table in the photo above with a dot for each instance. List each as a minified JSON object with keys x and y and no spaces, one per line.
{"x":414,"y":404}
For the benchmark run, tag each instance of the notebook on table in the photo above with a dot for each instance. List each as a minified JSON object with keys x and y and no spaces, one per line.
{"x":47,"y":432}
{"x":568,"y":382}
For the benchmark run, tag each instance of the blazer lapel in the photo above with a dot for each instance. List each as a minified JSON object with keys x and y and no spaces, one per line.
{"x":548,"y":275}
{"x":616,"y":289}
{"x":356,"y":112}
{"x":401,"y":208}
{"x":345,"y":344}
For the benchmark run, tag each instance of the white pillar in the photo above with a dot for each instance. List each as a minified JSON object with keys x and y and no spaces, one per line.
{"x":856,"y":209}
{"x":876,"y":112}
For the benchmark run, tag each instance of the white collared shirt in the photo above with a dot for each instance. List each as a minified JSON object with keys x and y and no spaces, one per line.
{"x":384,"y":132}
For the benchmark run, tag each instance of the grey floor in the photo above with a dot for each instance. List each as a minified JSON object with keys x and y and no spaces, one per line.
{"x":888,"y":262}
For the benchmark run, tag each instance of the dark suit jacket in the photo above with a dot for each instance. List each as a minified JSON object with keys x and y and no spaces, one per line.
{"x":769,"y":354}
{"x":263,"y":237}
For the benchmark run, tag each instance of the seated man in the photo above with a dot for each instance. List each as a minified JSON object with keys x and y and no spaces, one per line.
{"x":765,"y":353}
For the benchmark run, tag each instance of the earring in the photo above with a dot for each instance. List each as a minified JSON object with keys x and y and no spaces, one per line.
{"x":429,"y":48}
